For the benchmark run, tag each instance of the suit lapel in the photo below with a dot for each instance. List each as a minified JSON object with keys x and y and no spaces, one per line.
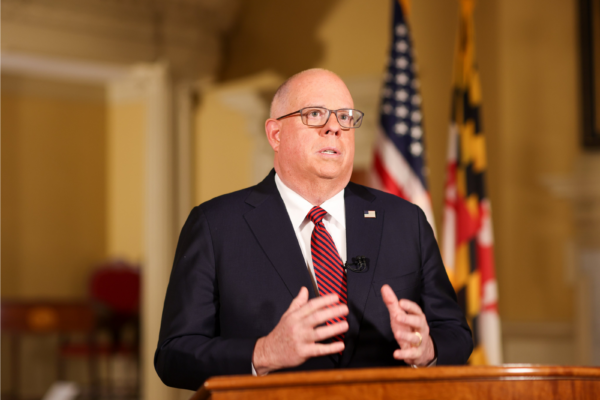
{"x":270,"y":223}
{"x":363,"y":238}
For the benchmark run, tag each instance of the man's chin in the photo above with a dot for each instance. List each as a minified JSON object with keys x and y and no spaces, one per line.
{"x":333,"y":174}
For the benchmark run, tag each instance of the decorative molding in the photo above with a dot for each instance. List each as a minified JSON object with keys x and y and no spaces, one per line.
{"x":582,"y":187}
{"x":60,"y":68}
{"x":187,"y":33}
{"x":574,"y":187}
{"x":134,"y":87}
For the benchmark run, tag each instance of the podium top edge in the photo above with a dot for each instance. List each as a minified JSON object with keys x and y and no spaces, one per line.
{"x":342,"y":376}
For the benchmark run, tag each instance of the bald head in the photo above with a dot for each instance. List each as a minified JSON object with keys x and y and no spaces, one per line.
{"x":286,"y":97}
{"x":314,"y":161}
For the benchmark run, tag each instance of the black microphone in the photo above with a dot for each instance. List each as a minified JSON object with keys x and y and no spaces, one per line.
{"x":359,"y":264}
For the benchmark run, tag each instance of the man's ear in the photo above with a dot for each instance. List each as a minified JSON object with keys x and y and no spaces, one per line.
{"x":273,"y":130}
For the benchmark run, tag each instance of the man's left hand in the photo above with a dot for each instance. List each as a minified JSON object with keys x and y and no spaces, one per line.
{"x":407,"y":318}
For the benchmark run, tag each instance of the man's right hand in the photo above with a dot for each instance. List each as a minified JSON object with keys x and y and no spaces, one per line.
{"x":293,"y":341}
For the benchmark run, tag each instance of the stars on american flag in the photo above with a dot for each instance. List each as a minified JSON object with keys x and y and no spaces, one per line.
{"x":401,"y":99}
{"x":401,"y":111}
{"x":401,"y":128}
{"x":401,"y":95}
{"x":401,"y":62}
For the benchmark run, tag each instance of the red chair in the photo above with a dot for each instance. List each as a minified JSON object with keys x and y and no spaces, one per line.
{"x":115,"y":295}
{"x":116,"y":285}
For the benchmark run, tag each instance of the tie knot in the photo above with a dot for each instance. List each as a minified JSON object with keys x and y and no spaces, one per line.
{"x":316,"y":214}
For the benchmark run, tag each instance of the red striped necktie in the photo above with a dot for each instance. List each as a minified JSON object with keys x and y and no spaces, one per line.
{"x":327,"y":264}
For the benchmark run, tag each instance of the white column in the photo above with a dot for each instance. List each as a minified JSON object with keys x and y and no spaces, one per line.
{"x":159,"y":215}
{"x":188,"y":95}
{"x":167,"y":192}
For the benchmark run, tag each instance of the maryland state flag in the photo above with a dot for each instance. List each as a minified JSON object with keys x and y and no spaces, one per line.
{"x":467,"y":245}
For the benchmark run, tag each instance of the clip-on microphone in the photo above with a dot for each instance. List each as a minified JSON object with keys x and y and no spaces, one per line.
{"x":359,"y":264}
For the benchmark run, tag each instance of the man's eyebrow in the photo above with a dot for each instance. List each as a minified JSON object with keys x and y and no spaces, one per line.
{"x":322,"y":106}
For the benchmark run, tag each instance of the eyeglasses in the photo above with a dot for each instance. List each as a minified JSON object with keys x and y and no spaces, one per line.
{"x":348,"y":118}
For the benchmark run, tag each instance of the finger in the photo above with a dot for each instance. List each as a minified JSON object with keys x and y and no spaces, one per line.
{"x":328,"y":331}
{"x":411,"y":353}
{"x":414,"y":321}
{"x":318,"y":303}
{"x":320,"y":349}
{"x":399,"y":336}
{"x":325,"y":314}
{"x":407,"y":339}
{"x":388,"y":295}
{"x":410,"y":307}
{"x":299,"y":300}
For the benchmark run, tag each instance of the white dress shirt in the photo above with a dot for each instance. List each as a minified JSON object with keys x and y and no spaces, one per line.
{"x":335,"y":221}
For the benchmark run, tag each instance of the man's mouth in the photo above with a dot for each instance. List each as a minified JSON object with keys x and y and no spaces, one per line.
{"x":329,"y":151}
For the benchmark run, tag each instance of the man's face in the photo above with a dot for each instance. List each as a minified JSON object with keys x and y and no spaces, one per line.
{"x":309,"y":153}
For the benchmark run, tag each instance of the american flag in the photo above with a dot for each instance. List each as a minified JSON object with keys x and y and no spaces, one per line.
{"x":399,"y":160}
{"x":468,"y":243}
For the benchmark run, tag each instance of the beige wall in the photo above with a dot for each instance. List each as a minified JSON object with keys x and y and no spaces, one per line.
{"x":72,"y":180}
{"x":535,"y":135}
{"x":223,"y":149}
{"x":125,"y":179}
{"x":53,"y":187}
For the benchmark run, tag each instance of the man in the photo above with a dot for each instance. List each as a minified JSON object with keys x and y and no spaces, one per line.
{"x":259,"y":282}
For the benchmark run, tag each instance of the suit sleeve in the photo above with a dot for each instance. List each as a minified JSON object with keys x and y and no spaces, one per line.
{"x":447,"y":325}
{"x":190,"y":348}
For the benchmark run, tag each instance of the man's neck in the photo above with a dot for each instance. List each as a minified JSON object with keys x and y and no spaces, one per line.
{"x":316,"y":191}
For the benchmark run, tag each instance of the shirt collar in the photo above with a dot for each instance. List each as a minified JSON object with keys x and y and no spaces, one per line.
{"x":298,"y":207}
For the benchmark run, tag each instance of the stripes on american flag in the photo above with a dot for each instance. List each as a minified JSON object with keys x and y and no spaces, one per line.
{"x":399,"y":165}
{"x":467,"y":245}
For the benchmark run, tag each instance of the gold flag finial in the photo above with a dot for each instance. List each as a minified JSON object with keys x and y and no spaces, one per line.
{"x":405,"y":4}
{"x":467,"y":7}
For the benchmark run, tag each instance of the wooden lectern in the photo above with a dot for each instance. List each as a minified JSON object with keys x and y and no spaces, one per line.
{"x":443,"y":383}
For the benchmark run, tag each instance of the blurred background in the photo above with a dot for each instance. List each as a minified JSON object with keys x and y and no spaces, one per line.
{"x":119,"y":116}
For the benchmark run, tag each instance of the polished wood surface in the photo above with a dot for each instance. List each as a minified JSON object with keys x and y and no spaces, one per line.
{"x":47,"y":316}
{"x":465,"y":382}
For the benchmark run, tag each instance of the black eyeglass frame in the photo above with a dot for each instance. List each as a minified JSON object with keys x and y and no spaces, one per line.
{"x":328,"y":116}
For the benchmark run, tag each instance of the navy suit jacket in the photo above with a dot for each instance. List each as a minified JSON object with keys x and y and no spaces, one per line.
{"x":238,"y":265}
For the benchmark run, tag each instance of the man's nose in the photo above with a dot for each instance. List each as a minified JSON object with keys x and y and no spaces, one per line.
{"x":332,"y":126}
